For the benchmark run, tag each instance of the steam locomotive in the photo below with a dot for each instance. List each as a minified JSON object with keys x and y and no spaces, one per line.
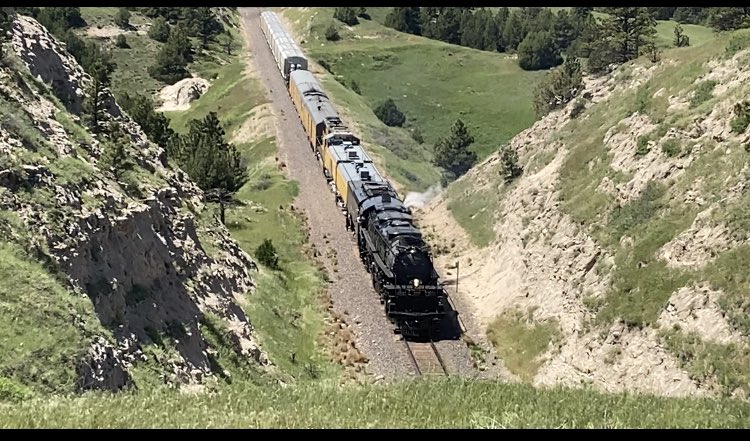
{"x":390,"y":245}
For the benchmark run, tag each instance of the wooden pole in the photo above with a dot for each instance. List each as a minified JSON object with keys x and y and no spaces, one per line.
{"x":457,"y":278}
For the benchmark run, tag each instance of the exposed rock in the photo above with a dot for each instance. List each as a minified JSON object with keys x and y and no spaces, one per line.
{"x":150,"y":267}
{"x":179,"y":95}
{"x":696,"y":309}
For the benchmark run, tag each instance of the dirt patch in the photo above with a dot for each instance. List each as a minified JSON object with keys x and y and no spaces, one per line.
{"x":179,"y":95}
{"x":258,"y":125}
{"x":105,"y":31}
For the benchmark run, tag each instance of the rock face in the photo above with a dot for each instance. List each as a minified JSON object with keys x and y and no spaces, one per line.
{"x":179,"y":95}
{"x":542,"y":260}
{"x":153,"y":267}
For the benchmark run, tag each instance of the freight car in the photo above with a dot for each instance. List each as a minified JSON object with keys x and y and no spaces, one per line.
{"x":390,"y":245}
{"x":288,"y":55}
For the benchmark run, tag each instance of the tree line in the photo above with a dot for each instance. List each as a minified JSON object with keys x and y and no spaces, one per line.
{"x":541,"y":38}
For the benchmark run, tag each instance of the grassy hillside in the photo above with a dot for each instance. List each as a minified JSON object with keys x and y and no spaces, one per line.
{"x":635,"y":231}
{"x":133,"y":62}
{"x":433,"y":83}
{"x":642,"y":282}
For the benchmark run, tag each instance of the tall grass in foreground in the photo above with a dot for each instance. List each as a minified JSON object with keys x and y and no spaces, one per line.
{"x":410,"y":404}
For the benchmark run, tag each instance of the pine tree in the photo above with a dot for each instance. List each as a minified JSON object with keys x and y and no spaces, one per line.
{"x":404,"y":20}
{"x":7,"y":15}
{"x":266,"y":254}
{"x":513,"y":32}
{"x":564,"y":31}
{"x":561,"y":86}
{"x":680,"y":39}
{"x":630,"y":30}
{"x":727,"y":19}
{"x":390,"y":114}
{"x":122,"y":18}
{"x":452,"y":152}
{"x":346,"y":15}
{"x":538,"y":51}
{"x":509,"y":166}
{"x":159,"y":30}
{"x":208,"y":159}
{"x":114,"y":156}
{"x":207,"y":25}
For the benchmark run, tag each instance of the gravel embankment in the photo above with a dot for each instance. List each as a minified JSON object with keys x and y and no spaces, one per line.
{"x":350,"y":288}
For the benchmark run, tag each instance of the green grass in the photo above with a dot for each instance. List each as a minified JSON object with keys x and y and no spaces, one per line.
{"x":131,"y":75}
{"x":698,"y":34}
{"x":410,"y":404}
{"x":475,"y":210}
{"x":40,"y":343}
{"x":286,"y":308}
{"x":441,"y":82}
{"x":520,"y":344}
{"x":728,"y":363}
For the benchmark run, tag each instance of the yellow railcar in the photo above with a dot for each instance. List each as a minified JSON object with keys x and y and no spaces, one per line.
{"x":347,"y":172}
{"x":339,"y":147}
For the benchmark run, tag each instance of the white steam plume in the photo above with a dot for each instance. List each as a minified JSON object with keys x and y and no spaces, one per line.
{"x":419,"y":200}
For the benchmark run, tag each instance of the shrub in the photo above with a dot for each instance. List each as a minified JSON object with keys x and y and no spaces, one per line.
{"x":332,"y":33}
{"x":703,"y":92}
{"x":509,"y":166}
{"x":266,"y":254}
{"x":538,"y":51}
{"x":121,"y":42}
{"x":122,"y":18}
{"x":159,"y":30}
{"x":742,"y":117}
{"x":642,"y":147}
{"x":390,"y":114}
{"x":671,"y":147}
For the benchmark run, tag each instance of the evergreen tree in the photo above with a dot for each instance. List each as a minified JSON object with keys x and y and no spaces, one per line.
{"x":680,"y":39}
{"x":171,"y":62}
{"x":513,"y":32}
{"x":206,"y":24}
{"x":362,"y":12}
{"x":332,"y":33}
{"x":114,"y":156}
{"x":509,"y":166}
{"x":153,"y":123}
{"x":559,"y":87}
{"x":404,"y":20}
{"x":538,"y":51}
{"x":346,"y":15}
{"x":690,"y":15}
{"x":121,"y":42}
{"x":389,"y":114}
{"x":159,"y":30}
{"x":629,"y":30}
{"x":208,"y":159}
{"x":727,"y":19}
{"x":266,"y":254}
{"x":452,"y":152}
{"x":7,"y":15}
{"x":122,"y":18}
{"x":564,"y":32}
{"x":500,"y":21}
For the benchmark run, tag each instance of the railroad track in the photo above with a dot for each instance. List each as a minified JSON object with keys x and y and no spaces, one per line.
{"x":426,"y":358}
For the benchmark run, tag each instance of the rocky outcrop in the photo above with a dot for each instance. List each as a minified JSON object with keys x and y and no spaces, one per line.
{"x":541,"y":259}
{"x":151,"y":264}
{"x":179,"y":95}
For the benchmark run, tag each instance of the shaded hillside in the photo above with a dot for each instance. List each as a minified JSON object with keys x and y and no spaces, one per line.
{"x":625,"y":232}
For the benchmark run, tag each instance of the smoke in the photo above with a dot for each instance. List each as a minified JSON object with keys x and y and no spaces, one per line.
{"x":419,"y":200}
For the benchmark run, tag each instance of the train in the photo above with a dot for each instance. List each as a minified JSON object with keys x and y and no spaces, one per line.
{"x":390,"y":245}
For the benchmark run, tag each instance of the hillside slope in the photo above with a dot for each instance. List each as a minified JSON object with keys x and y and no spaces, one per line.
{"x":111,"y":279}
{"x":615,"y":260}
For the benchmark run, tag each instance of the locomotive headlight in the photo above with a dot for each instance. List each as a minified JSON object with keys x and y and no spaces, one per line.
{"x":415,"y":282}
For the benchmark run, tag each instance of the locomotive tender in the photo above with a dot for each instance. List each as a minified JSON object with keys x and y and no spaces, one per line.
{"x":390,"y":245}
